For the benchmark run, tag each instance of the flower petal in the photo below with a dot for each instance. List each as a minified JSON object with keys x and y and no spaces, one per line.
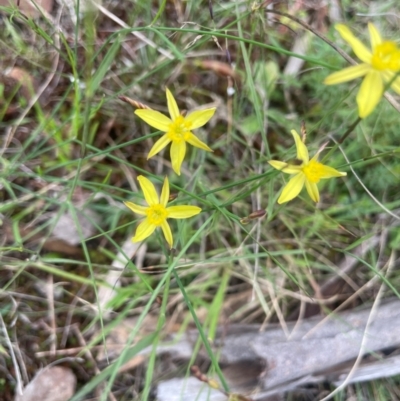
{"x":143,"y":230}
{"x":155,"y":119}
{"x":358,"y":47}
{"x":194,"y":141}
{"x":370,"y":93}
{"x":302,"y":152}
{"x":167,"y":233}
{"x":312,"y":190}
{"x":172,"y":106}
{"x":200,"y":117}
{"x":178,"y":150}
{"x":388,"y":76}
{"x":330,"y":172}
{"x":292,"y":188}
{"x":136,"y":208}
{"x":347,"y":74}
{"x":149,"y":192}
{"x":374,"y":35}
{"x":285,"y":167}
{"x":182,"y":212}
{"x":159,"y":145}
{"x":165,"y":192}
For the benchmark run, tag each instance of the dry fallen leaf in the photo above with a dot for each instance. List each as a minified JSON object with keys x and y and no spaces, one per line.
{"x":28,"y":7}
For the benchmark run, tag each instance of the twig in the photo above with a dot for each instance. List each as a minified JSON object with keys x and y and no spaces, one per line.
{"x":34,"y":99}
{"x":89,"y":355}
{"x":388,"y":96}
{"x":139,"y":35}
{"x":52,"y":318}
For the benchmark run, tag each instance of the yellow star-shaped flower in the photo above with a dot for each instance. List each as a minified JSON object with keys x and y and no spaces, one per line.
{"x":308,"y":173}
{"x":157,"y":211}
{"x":379,"y":66}
{"x":178,"y":130}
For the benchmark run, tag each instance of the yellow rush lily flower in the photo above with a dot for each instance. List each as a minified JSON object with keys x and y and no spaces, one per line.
{"x":178,"y":130}
{"x":379,"y":66}
{"x":157,"y":211}
{"x":309,"y":172}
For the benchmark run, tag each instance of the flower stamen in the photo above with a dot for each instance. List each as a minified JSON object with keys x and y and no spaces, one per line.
{"x":156,"y":214}
{"x":179,"y":129}
{"x":313,"y":171}
{"x":386,"y":56}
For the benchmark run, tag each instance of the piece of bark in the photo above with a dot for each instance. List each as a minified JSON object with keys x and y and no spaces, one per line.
{"x":317,"y":349}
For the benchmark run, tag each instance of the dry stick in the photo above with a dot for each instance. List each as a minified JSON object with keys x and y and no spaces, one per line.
{"x":11,"y":131}
{"x":388,"y":97}
{"x":139,"y":35}
{"x":89,"y":355}
{"x":68,"y":319}
{"x":343,"y":54}
{"x":67,"y":351}
{"x":52,"y":317}
{"x":316,"y":33}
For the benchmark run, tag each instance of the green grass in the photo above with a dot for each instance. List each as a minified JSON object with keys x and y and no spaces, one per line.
{"x":70,"y":145}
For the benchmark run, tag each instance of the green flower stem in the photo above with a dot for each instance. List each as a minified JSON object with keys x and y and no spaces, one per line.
{"x":355,"y":123}
{"x":118,"y":363}
{"x":153,"y":354}
{"x":349,"y":130}
{"x":201,"y":332}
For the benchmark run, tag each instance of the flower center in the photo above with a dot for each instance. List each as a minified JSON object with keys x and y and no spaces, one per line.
{"x":179,"y":129}
{"x":156,"y":214}
{"x":386,"y":56}
{"x":313,"y":171}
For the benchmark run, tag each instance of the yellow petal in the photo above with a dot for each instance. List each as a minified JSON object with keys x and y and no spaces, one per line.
{"x":312,"y":190}
{"x":159,"y":145}
{"x":359,"y":49}
{"x":374,"y":35}
{"x":285,"y":167}
{"x":155,"y":119}
{"x":302,"y":152}
{"x":199,"y":118}
{"x":182,"y":212}
{"x":172,"y":106}
{"x":165,"y":192}
{"x":144,"y":230}
{"x":292,"y":188}
{"x":330,"y":172}
{"x":136,"y":208}
{"x":388,"y":76}
{"x":194,"y":141}
{"x":370,"y":93}
{"x":347,"y":74}
{"x":178,"y":150}
{"x":167,"y":233}
{"x":149,"y":192}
